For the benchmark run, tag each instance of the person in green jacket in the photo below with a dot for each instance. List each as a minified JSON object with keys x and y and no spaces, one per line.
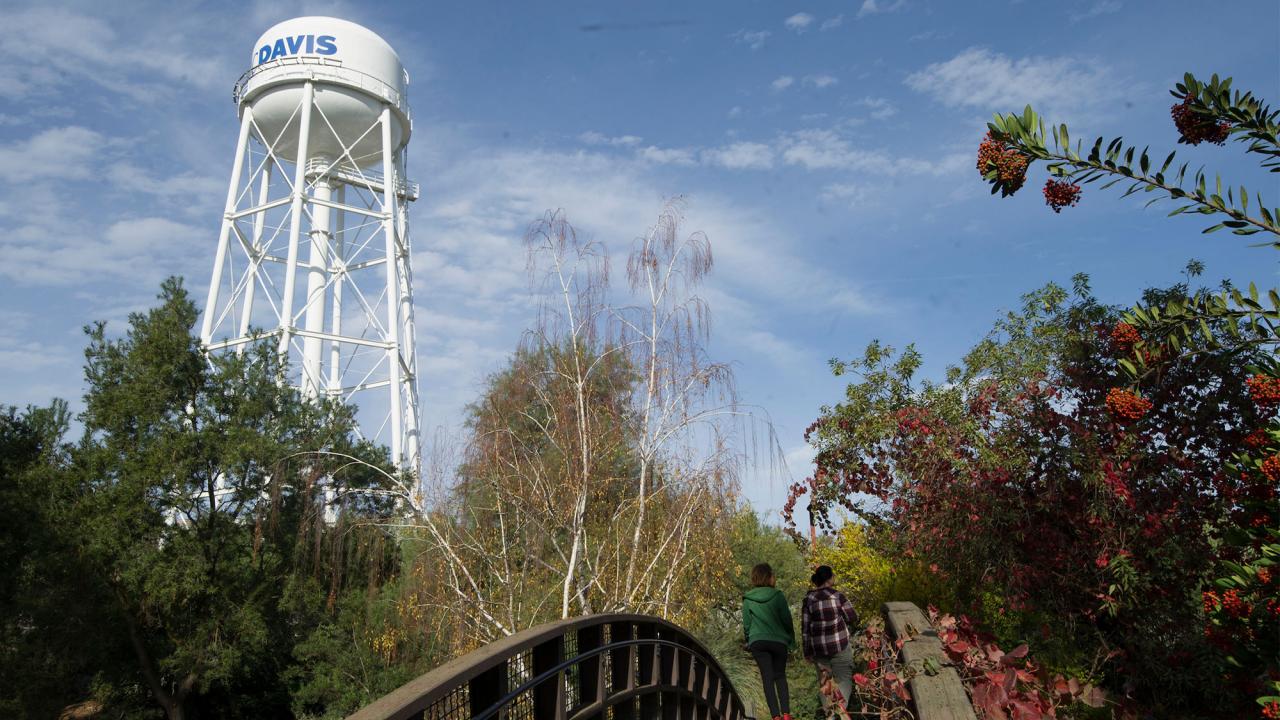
{"x":769,"y":635}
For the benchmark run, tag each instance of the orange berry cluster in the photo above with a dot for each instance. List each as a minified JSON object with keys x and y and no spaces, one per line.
{"x":1125,"y":334}
{"x":1010,"y":165}
{"x":1271,"y":468}
{"x":1125,"y":405}
{"x":1060,"y":193}
{"x":1264,"y":390}
{"x":1257,"y":439}
{"x":1271,"y":710}
{"x":1233,"y":605}
{"x":1264,"y":576}
{"x":1196,"y":128}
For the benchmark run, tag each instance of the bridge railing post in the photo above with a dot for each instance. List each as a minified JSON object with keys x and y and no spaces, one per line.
{"x":647,"y":671}
{"x":622,"y":668}
{"x":549,"y":697}
{"x":487,"y":688}
{"x":590,"y":679}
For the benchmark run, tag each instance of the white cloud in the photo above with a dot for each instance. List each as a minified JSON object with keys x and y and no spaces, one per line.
{"x":798,"y":22}
{"x":782,"y":83}
{"x":985,"y":80}
{"x":45,"y":47}
{"x":666,"y":156}
{"x":820,"y":81}
{"x":881,"y":108}
{"x":740,"y":156}
{"x":594,"y":138}
{"x":57,"y":153}
{"x":832,"y":23}
{"x":819,"y":149}
{"x":875,"y":7}
{"x":144,"y":250}
{"x":735,"y":111}
{"x":847,"y":193}
{"x":1098,"y":9}
{"x":930,"y":35}
{"x":753,"y":40}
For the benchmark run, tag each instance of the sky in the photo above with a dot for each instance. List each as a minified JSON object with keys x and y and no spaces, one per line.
{"x":825,"y":148}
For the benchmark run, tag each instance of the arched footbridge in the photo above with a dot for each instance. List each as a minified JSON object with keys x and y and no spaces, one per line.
{"x":620,"y":667}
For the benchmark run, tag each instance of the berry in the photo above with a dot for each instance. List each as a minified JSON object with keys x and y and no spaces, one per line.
{"x":1126,"y":406}
{"x":1010,"y":164}
{"x":1196,"y":128}
{"x":1125,"y":336}
{"x":1060,"y":193}
{"x":1271,"y":468}
{"x":1257,"y":439}
{"x":1264,"y":390}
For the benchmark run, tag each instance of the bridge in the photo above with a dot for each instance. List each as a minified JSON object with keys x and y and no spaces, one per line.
{"x":622,"y":667}
{"x":627,"y":667}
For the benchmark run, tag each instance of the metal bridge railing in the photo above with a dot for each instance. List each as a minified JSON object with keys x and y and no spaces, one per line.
{"x":610,"y":667}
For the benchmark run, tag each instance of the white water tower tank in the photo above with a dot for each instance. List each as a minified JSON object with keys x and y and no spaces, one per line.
{"x":354,"y":73}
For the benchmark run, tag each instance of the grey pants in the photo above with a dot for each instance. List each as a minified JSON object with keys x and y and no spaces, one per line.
{"x":840,"y":666}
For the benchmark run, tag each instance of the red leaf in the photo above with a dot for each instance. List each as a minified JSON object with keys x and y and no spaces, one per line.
{"x":1019,"y":652}
{"x":1023,"y":710}
{"x":990,"y":699}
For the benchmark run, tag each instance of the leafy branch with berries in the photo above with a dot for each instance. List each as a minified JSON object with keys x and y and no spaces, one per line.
{"x":1208,"y":112}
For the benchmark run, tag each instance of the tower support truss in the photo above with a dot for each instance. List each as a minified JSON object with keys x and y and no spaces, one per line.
{"x":314,"y":255}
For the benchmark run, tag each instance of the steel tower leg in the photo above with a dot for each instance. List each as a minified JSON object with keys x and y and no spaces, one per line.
{"x":389,"y":202}
{"x":233,"y":192}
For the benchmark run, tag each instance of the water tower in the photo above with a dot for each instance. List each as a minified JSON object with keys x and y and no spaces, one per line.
{"x":314,"y":249}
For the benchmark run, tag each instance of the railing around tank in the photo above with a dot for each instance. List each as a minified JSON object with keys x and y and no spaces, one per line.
{"x":621,"y":667}
{"x":292,"y":69}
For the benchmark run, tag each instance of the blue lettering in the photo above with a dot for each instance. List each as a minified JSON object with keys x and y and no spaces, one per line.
{"x":293,"y":45}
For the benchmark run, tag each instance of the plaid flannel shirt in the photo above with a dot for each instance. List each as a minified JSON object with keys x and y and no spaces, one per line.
{"x":825,"y":621}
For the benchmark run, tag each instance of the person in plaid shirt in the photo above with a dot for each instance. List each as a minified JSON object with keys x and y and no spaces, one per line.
{"x":827,"y":619}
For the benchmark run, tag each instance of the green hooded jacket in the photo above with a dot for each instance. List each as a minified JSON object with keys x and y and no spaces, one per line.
{"x":766,"y":616}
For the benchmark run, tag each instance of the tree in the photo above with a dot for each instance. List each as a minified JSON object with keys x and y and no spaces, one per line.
{"x":599,"y":462}
{"x":1243,"y":607}
{"x":1089,"y":516}
{"x":194,"y":504}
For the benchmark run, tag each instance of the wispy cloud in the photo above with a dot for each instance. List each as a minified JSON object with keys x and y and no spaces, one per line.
{"x":820,"y":149}
{"x":46,"y":47}
{"x":820,"y":81}
{"x":592,"y":137}
{"x":740,"y":156}
{"x":1098,"y":9}
{"x":832,"y":23}
{"x":782,"y":83}
{"x":993,"y":82}
{"x":875,"y":7}
{"x":63,"y":153}
{"x":798,"y":22}
{"x":752,"y":39}
{"x":666,"y":156}
{"x":881,"y":108}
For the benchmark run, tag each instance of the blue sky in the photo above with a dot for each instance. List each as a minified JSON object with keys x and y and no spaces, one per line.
{"x":826,"y":148}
